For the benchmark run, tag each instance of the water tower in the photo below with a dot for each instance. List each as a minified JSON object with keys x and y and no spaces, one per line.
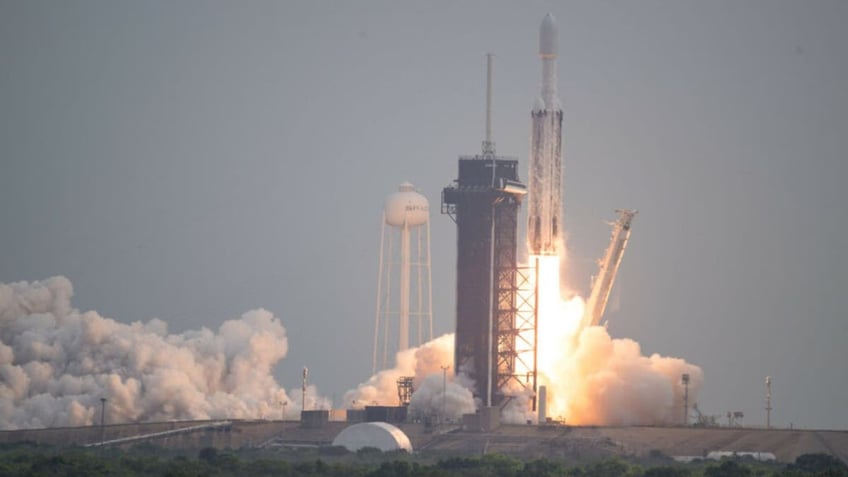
{"x":404,"y":280}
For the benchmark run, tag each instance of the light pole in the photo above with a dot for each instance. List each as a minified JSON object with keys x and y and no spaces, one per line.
{"x":768,"y":402}
{"x":102,"y":420}
{"x":284,"y":403}
{"x":685,"y":379}
{"x":444,"y":392}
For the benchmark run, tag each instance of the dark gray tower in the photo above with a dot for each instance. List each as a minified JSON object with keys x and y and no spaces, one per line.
{"x":484,"y":202}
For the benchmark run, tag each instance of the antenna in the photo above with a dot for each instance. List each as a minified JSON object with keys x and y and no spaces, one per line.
{"x":488,"y":144}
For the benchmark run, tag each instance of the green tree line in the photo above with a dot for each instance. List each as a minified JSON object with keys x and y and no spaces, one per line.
{"x":22,"y":460}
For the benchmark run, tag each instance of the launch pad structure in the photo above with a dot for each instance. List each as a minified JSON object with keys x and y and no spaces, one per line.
{"x":495,"y":298}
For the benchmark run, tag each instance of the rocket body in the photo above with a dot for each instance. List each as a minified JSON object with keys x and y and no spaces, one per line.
{"x":544,"y":197}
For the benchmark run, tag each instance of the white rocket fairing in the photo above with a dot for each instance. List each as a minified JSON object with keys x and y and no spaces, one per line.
{"x":544,"y":198}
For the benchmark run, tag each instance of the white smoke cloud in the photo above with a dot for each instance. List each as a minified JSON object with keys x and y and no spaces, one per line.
{"x":57,"y":362}
{"x":431,"y":392}
{"x":608,"y":381}
{"x":604,"y":381}
{"x":519,"y":409}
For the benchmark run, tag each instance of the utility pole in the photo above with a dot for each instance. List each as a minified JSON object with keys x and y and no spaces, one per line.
{"x":305,"y":376}
{"x":444,"y":392}
{"x":685,"y":378}
{"x":768,"y":402}
{"x":102,"y":420}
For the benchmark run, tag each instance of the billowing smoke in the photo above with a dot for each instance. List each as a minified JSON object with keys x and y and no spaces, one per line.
{"x":593,"y":379}
{"x":435,"y":393}
{"x":57,"y":362}
{"x":607,"y":381}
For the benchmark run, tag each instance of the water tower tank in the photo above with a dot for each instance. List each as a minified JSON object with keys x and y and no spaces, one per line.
{"x":403,"y":284}
{"x":407,"y":207}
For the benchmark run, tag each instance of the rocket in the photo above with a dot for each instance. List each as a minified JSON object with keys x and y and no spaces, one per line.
{"x":544,"y":197}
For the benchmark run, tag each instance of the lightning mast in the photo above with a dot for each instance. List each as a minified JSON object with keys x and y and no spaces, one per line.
{"x":607,"y":269}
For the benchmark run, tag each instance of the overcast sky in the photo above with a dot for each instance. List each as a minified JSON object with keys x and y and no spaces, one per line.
{"x":193,"y":160}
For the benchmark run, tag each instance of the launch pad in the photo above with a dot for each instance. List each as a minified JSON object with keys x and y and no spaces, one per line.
{"x":497,"y":301}
{"x":519,"y":441}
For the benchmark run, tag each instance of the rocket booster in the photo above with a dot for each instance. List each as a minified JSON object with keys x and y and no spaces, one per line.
{"x":544,"y":197}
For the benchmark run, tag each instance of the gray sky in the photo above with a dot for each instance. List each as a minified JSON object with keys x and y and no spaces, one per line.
{"x":194,"y":160}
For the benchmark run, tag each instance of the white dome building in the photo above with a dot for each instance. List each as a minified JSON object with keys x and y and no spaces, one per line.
{"x":380,"y":435}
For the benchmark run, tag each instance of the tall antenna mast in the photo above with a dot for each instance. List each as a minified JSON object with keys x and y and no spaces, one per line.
{"x":488,"y":144}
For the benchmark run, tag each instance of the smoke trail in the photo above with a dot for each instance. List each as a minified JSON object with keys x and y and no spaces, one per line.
{"x":431,"y":394}
{"x":57,"y":362}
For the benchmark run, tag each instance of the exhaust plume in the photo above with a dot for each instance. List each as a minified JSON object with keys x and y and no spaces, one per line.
{"x":608,"y":381}
{"x":593,"y":379}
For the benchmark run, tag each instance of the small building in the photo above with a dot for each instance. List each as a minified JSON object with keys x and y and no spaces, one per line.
{"x":315,"y":419}
{"x":484,"y":420}
{"x":356,"y":415}
{"x":385,"y":413}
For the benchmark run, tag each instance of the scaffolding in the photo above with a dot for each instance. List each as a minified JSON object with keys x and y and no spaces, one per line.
{"x":405,"y":389}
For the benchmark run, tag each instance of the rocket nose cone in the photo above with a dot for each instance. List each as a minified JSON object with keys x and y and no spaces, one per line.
{"x":548,"y":37}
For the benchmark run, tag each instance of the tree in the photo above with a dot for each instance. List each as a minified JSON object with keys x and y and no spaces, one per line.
{"x":727,"y":468}
{"x":608,"y":468}
{"x":543,"y":468}
{"x":666,"y":471}
{"x":821,"y":464}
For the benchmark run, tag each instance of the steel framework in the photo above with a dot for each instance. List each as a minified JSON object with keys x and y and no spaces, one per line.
{"x":517,"y":329}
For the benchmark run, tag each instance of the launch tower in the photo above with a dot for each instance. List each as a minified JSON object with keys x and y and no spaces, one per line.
{"x":484,"y":202}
